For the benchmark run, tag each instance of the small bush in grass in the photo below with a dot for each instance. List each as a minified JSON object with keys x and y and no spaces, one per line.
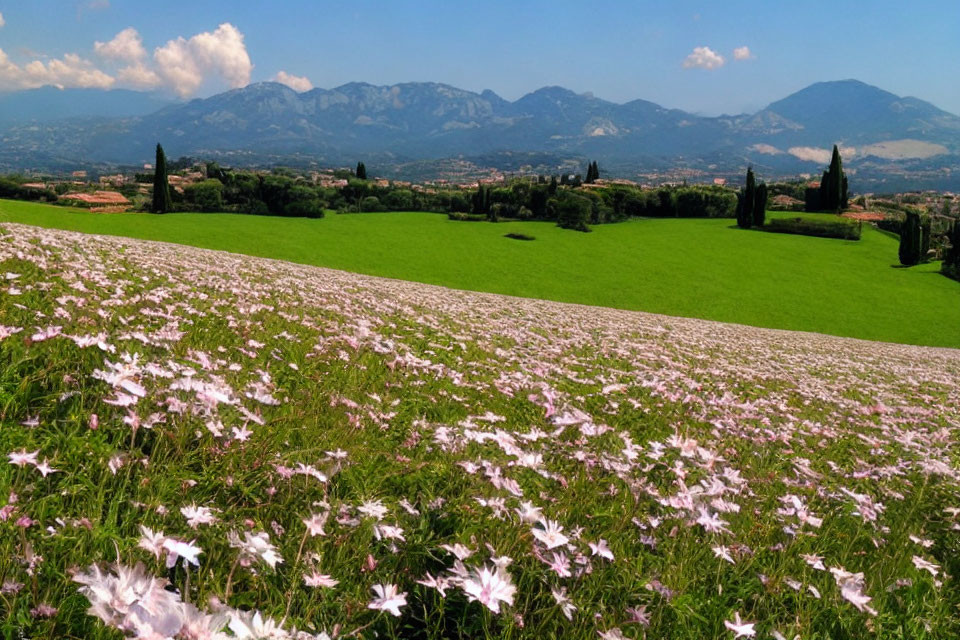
{"x":466,"y":217}
{"x":519,"y":236}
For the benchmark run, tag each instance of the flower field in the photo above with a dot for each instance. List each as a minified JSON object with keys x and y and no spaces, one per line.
{"x":205,"y":445}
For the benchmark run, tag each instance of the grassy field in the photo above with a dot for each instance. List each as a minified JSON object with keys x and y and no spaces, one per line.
{"x":693,"y":268}
{"x":283,"y":446}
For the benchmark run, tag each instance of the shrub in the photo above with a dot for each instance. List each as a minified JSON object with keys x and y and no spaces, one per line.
{"x":206,"y":195}
{"x":842,"y":228}
{"x":459,"y":216}
{"x":371,"y":203}
{"x":573,"y":212}
{"x":519,"y":236}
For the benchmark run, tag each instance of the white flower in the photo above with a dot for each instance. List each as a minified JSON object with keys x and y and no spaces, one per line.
{"x":256,"y":546}
{"x":528,"y":512}
{"x":242,"y":434}
{"x":489,"y":587}
{"x":723,"y":553}
{"x":373,"y":509}
{"x":252,"y":625}
{"x":814,"y":561}
{"x":925,"y":565}
{"x":441,"y":584}
{"x":388,"y":599}
{"x":711,"y":521}
{"x":198,"y":515}
{"x":740,"y":629}
{"x":601,"y":549}
{"x":851,"y":588}
{"x":566,"y":606}
{"x":131,"y":600}
{"x":177,"y":548}
{"x":198,"y":625}
{"x":316,"y":522}
{"x":319,"y":580}
{"x":152,"y":542}
{"x":550,"y":533}
{"x":22,"y":458}
{"x":461,"y":552}
{"x":388,"y":532}
{"x":45,"y":469}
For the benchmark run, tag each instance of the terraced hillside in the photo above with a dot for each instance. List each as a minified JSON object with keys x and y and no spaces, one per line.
{"x":206,"y":445}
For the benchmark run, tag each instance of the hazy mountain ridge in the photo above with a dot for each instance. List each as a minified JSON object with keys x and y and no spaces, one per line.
{"x":430,"y":121}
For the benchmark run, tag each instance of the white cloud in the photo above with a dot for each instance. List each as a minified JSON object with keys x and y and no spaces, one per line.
{"x":71,"y":71}
{"x":2,"y":21}
{"x":126,"y":46}
{"x":139,"y":76}
{"x":184,"y":64}
{"x":703,"y":58}
{"x":811,"y":154}
{"x":742,"y":53}
{"x":765,"y":148}
{"x":297,"y":83}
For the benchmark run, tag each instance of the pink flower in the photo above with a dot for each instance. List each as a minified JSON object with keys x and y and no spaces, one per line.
{"x":177,"y":548}
{"x":388,"y":599}
{"x":550,"y":533}
{"x":22,"y":458}
{"x":45,"y":469}
{"x":925,"y":565}
{"x":315,"y":579}
{"x":601,"y":549}
{"x":490,"y":588}
{"x":740,"y":629}
{"x":316,"y":522}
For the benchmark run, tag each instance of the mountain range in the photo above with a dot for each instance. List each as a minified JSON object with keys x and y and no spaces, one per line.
{"x":884,"y":138}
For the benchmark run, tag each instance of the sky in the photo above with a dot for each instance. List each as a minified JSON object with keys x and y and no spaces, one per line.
{"x":707,"y":57}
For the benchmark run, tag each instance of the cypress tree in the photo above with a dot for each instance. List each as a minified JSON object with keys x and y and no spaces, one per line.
{"x":833,"y":186}
{"x":591,"y":173}
{"x":910,"y":240}
{"x":745,"y":219}
{"x":478,"y":208}
{"x":161,"y":187}
{"x":835,"y":183}
{"x":361,"y":171}
{"x":760,"y":205}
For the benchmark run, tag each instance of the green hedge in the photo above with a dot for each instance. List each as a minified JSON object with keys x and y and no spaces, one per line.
{"x":837,"y":228}
{"x":466,"y":217}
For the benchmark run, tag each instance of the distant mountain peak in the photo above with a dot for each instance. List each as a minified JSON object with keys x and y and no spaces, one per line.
{"x":418,"y":121}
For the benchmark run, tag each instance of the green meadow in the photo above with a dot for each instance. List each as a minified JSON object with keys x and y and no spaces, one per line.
{"x":703,"y":268}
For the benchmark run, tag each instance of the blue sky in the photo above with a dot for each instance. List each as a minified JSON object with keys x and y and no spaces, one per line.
{"x":617,"y":50}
